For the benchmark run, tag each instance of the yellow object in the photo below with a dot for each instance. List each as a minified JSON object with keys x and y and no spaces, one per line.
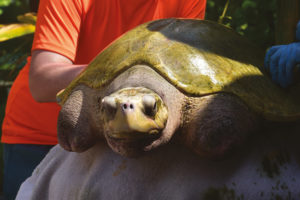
{"x":11,"y":31}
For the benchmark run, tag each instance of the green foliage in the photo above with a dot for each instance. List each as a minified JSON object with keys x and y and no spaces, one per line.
{"x":14,"y":58}
{"x":254,"y":19}
{"x":27,"y":26}
{"x":28,"y":18}
{"x":9,"y":9}
{"x":13,"y":52}
{"x":13,"y":55}
{"x":4,"y":2}
{"x":11,"y":31}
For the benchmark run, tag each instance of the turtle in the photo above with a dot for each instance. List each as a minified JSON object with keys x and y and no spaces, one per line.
{"x":191,"y":81}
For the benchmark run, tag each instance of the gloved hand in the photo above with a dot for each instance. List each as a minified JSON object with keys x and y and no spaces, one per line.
{"x":281,"y":61}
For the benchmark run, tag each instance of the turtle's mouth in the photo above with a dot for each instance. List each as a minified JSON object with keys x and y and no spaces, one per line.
{"x":133,"y":145}
{"x":134,"y":135}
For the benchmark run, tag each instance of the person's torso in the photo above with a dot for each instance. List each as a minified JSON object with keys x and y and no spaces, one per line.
{"x":106,"y":20}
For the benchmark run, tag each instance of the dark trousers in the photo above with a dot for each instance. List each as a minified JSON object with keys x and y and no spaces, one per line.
{"x":19,"y":162}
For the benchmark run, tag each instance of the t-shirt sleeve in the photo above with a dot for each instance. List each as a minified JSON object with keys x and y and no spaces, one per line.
{"x":193,"y":9}
{"x":58,"y":26}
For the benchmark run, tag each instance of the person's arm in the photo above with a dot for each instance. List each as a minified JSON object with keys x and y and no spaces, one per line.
{"x":54,"y":48}
{"x":49,"y":73}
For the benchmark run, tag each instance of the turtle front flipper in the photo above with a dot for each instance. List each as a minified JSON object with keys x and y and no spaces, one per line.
{"x":217,"y":123}
{"x":78,"y":125}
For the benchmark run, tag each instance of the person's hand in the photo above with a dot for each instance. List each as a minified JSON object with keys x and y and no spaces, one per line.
{"x":282,"y":61}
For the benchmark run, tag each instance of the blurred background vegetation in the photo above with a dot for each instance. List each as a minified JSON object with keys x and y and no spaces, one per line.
{"x":263,"y":22}
{"x":254,"y":19}
{"x":13,"y":52}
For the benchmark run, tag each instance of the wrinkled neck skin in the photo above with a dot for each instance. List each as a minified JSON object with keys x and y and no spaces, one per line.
{"x":79,"y":126}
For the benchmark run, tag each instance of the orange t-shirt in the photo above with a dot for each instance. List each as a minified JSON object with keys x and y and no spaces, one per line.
{"x":79,"y":30}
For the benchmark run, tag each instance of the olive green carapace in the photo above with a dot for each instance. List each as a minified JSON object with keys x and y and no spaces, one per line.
{"x":199,"y":57}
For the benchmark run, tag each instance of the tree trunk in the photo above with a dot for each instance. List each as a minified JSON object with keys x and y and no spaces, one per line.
{"x":288,"y":15}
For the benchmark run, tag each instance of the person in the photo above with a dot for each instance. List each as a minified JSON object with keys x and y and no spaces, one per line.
{"x":283,"y":61}
{"x":69,"y":34}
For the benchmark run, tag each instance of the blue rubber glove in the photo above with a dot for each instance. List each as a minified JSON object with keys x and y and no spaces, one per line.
{"x":282,"y":61}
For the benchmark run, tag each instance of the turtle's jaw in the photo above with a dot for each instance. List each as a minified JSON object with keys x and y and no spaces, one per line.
{"x":133,"y":118}
{"x":130,"y":147}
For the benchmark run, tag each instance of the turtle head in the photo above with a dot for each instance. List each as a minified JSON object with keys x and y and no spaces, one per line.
{"x":133,"y":118}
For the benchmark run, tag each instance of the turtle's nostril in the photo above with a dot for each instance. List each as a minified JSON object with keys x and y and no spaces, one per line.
{"x":128,"y":106}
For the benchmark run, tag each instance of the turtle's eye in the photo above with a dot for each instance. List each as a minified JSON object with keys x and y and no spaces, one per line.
{"x":149,"y":103}
{"x":109,"y":105}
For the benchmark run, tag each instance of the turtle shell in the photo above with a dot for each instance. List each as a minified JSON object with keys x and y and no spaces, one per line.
{"x":199,"y":58}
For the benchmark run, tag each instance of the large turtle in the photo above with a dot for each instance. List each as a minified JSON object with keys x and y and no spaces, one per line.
{"x":196,"y":78}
